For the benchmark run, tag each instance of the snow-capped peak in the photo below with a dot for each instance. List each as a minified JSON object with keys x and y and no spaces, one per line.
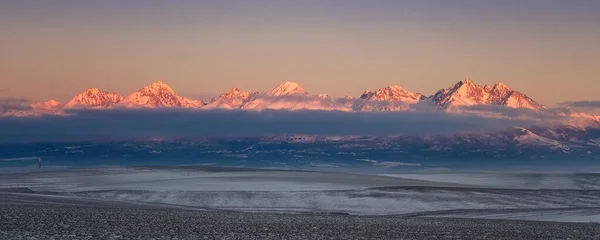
{"x":232,"y":99}
{"x":460,"y":94}
{"x":91,"y":91}
{"x":287,"y":88}
{"x":487,"y":88}
{"x":49,"y":106}
{"x":500,"y":86}
{"x":467,"y":81}
{"x":498,"y":92}
{"x":157,"y":88}
{"x":158,"y":94}
{"x":391,"y":98}
{"x":464,"y":84}
{"x":290,"y":96}
{"x":391,"y":93}
{"x":502,"y":94}
{"x":94,"y":98}
{"x":234,"y":91}
{"x":467,"y":93}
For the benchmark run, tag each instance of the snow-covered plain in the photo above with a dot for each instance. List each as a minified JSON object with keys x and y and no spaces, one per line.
{"x":532,"y":196}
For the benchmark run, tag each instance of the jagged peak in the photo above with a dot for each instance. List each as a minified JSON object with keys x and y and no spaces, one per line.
{"x":441,"y":91}
{"x":468,"y":84}
{"x":459,"y":84}
{"x":92,"y":90}
{"x":156,"y":95}
{"x":157,"y":87}
{"x":94,"y":97}
{"x":502,"y":86}
{"x":391,"y":88}
{"x":231,"y":92}
{"x":468,"y":81}
{"x":487,"y":88}
{"x":465,"y":92}
{"x":95,"y":91}
{"x":395,"y":89}
{"x":468,"y":93}
{"x":390,"y":93}
{"x":286,"y":88}
{"x":235,"y":90}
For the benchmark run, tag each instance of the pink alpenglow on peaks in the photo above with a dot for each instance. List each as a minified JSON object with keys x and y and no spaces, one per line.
{"x":157,"y":95}
{"x":391,"y":93}
{"x":391,"y":98}
{"x":460,"y":94}
{"x":291,"y":96}
{"x":47,"y":107}
{"x":467,"y":93}
{"x":94,"y":98}
{"x":288,"y":96}
{"x":234,"y":99}
{"x":458,"y":98}
{"x":287,"y":88}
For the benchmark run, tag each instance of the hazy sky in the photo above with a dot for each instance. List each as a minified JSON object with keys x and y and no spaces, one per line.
{"x":548,"y":49}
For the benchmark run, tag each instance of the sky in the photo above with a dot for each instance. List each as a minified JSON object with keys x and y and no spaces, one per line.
{"x":547,"y":49}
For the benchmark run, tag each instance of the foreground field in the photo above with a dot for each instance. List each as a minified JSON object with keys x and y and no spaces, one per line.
{"x":27,"y":216}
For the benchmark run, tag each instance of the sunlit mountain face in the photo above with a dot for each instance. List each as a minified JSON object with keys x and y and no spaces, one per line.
{"x":291,"y":96}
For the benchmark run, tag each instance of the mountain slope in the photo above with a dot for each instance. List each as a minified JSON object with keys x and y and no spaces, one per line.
{"x":530,"y":138}
{"x":576,"y":119}
{"x":290,"y":96}
{"x":93,"y":98}
{"x":233,"y":99}
{"x":47,"y":107}
{"x":467,"y":93}
{"x":392,"y":98}
{"x":158,"y":95}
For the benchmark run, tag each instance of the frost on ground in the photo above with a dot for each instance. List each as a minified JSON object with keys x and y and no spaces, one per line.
{"x":530,"y":196}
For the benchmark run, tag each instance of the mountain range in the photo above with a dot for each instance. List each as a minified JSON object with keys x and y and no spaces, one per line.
{"x":291,"y":96}
{"x":571,"y":132}
{"x":465,"y":96}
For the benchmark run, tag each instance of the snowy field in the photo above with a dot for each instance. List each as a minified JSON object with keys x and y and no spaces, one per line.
{"x":528,"y":196}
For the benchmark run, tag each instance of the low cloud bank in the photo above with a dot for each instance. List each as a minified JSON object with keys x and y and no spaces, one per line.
{"x":8,"y":104}
{"x":118,"y":124}
{"x":523,"y":113}
{"x":583,"y":104}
